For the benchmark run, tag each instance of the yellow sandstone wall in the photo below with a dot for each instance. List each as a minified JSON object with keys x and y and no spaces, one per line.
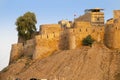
{"x":49,"y":28}
{"x":72,"y":38}
{"x":45,"y":45}
{"x":112,"y":32}
{"x":109,"y":33}
{"x":81,"y":24}
{"x":83,"y":29}
{"x":16,"y":52}
{"x":29,"y":47}
{"x":51,"y":39}
{"x":116,"y":14}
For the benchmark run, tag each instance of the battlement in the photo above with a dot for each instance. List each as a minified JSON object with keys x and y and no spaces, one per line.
{"x":112,"y":31}
{"x":48,"y":36}
{"x":49,"y":28}
{"x":53,"y":37}
{"x":45,"y":44}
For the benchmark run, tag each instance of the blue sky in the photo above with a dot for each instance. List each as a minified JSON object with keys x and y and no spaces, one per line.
{"x":47,"y":11}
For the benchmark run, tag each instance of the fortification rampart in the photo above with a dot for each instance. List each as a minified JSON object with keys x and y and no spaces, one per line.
{"x":52,"y":37}
{"x":49,"y":28}
{"x":81,"y":24}
{"x":45,"y":45}
{"x":96,"y":33}
{"x":42,"y":45}
{"x":73,"y":37}
{"x":116,"y":14}
{"x":112,"y":32}
{"x":28,"y":47}
{"x":16,"y":52}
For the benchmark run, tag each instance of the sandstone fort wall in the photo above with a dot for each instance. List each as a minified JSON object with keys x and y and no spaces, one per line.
{"x":16,"y":52}
{"x":83,"y":29}
{"x":45,"y":44}
{"x":112,"y":32}
{"x":28,"y":47}
{"x":52,"y":37}
{"x":82,"y":24}
{"x":74,"y":37}
{"x":116,"y":14}
{"x":49,"y":28}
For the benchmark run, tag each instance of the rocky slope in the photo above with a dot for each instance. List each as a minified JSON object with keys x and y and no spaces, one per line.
{"x":87,"y":63}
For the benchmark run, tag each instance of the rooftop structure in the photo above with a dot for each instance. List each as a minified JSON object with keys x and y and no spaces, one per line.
{"x":93,"y":10}
{"x":94,"y":16}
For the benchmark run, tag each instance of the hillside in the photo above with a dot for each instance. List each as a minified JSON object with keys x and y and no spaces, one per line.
{"x":87,"y":63}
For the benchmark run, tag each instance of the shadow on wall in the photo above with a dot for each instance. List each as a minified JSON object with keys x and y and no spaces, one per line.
{"x":64,"y":41}
{"x":67,"y":40}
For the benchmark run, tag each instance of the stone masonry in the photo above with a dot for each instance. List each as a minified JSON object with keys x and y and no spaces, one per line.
{"x":53,"y":37}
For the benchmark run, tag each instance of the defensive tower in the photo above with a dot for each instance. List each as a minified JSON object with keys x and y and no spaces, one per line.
{"x":94,"y":16}
{"x":69,"y":35}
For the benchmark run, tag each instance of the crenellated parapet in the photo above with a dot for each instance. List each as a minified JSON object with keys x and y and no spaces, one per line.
{"x":54,"y":37}
{"x":49,"y":28}
{"x":45,"y":44}
{"x":112,"y":31}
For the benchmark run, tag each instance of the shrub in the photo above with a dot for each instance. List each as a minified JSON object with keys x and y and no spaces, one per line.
{"x":88,"y":41}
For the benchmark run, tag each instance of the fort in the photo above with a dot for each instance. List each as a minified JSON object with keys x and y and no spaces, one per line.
{"x":69,"y":35}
